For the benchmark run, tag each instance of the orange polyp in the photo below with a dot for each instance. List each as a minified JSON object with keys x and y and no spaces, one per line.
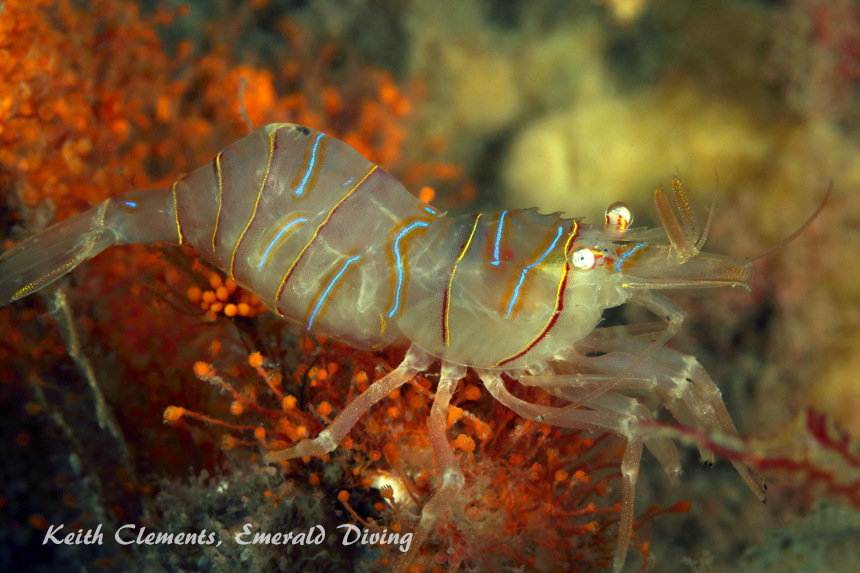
{"x":255,"y":360}
{"x":173,"y":414}
{"x":471,"y":392}
{"x":277,"y":380}
{"x":465,"y":443}
{"x":482,"y":430}
{"x":454,"y":414}
{"x":391,"y":453}
{"x":215,"y":347}
{"x":203,"y":370}
{"x":195,"y":295}
{"x":682,"y":506}
{"x":324,"y":409}
{"x":415,"y":401}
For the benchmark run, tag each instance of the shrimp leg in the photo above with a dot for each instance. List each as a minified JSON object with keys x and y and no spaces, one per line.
{"x":415,"y":361}
{"x":589,"y":420}
{"x":452,"y":475}
{"x":137,"y":217}
{"x":614,"y":401}
{"x":662,"y":307}
{"x":683,"y":384}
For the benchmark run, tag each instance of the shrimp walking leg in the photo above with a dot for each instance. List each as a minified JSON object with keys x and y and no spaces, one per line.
{"x":589,"y":420}
{"x":138,"y":217}
{"x":629,"y":475}
{"x":415,"y":361}
{"x":683,"y":385}
{"x":662,"y":307}
{"x":452,"y":475}
{"x":571,"y":387}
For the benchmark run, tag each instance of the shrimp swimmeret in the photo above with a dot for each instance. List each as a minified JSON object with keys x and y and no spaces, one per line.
{"x":333,"y":243}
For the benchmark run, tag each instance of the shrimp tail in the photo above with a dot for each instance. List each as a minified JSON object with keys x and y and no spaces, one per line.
{"x":39,"y":260}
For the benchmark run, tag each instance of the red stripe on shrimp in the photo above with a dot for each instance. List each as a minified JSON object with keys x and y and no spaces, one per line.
{"x":559,"y":303}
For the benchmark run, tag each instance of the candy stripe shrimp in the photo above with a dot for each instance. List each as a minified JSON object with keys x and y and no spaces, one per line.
{"x":333,"y":243}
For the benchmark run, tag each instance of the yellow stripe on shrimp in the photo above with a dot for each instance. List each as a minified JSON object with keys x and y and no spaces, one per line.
{"x":446,"y":335}
{"x":220,"y":178}
{"x":256,"y":204}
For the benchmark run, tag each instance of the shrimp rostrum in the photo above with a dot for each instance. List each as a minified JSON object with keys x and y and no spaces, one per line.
{"x":333,"y":243}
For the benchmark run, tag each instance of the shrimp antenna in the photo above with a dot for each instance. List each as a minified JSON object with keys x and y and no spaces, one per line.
{"x":800,"y":229}
{"x":704,"y":237}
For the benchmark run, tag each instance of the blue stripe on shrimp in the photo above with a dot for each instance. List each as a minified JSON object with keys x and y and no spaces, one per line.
{"x":398,"y":263}
{"x":328,"y":289}
{"x":625,"y":255}
{"x":495,"y":260}
{"x":325,"y":222}
{"x":313,"y":159}
{"x":274,"y":241}
{"x":528,"y":268}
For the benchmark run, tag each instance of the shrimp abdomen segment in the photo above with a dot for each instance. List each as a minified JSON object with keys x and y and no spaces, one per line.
{"x":336,"y":279}
{"x":138,"y":217}
{"x":302,"y":220}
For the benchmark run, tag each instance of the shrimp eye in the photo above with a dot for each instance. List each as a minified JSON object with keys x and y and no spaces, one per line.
{"x":618,"y":217}
{"x":583,"y":259}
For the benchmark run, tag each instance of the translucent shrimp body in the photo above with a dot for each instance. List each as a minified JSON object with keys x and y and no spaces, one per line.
{"x":333,"y":243}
